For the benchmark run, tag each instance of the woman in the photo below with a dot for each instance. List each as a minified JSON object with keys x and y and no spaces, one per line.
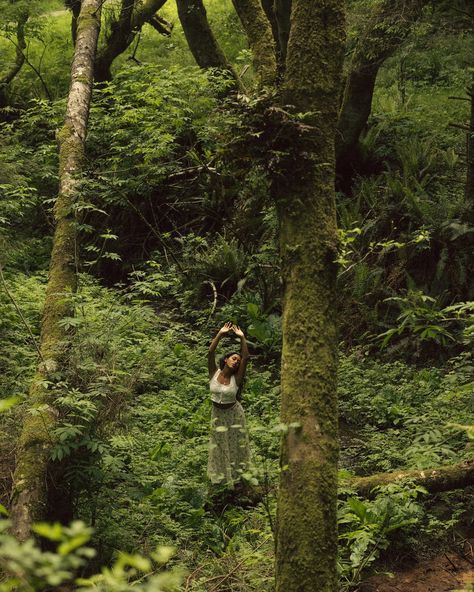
{"x":229,"y":452}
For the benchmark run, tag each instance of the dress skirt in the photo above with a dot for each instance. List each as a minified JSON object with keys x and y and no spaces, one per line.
{"x":229,"y":451}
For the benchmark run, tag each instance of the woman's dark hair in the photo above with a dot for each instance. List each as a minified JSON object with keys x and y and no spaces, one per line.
{"x":224,"y":358}
{"x":221,"y":366}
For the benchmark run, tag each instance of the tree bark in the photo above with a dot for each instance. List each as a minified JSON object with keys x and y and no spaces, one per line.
{"x":283,"y":17}
{"x":306,"y":529}
{"x":122,"y":32}
{"x":19,"y":58}
{"x":388,"y":27}
{"x":29,"y":496}
{"x":269,"y":9}
{"x":434,"y":480}
{"x":469,"y":189}
{"x":201,"y":41}
{"x":260,"y":39}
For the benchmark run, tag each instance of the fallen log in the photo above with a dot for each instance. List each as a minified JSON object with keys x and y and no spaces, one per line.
{"x":435,"y":480}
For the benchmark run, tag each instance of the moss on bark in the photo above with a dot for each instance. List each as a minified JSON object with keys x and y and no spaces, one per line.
{"x":29,"y":499}
{"x":260,"y":39}
{"x":306,"y":537}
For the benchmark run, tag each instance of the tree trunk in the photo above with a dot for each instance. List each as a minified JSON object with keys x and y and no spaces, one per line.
{"x":469,"y":190}
{"x":29,"y":499}
{"x":122,"y":33}
{"x":19,"y":58}
{"x":282,"y":15}
{"x":201,"y":41}
{"x":388,"y":27}
{"x":75,"y":8}
{"x":306,"y":533}
{"x":260,"y":39}
{"x":269,"y":9}
{"x":434,"y":480}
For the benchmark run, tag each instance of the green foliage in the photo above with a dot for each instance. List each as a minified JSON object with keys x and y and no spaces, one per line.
{"x":402,"y":413}
{"x":365,"y":527}
{"x":28,"y":568}
{"x":421,"y":319}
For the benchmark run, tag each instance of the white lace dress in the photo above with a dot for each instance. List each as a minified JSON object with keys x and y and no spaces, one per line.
{"x":229,"y":451}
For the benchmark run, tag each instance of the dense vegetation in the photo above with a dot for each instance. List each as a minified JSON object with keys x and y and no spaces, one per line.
{"x":176,"y":234}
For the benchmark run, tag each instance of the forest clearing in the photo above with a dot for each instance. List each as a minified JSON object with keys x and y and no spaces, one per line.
{"x":237,"y":295}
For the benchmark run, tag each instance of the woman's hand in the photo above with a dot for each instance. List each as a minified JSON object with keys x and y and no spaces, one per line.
{"x":226,"y":328}
{"x":237,"y":330}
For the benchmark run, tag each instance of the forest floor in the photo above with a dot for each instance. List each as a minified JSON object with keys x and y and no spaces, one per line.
{"x":444,"y":573}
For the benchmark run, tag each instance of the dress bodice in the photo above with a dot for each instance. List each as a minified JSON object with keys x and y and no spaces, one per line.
{"x":223,"y":393}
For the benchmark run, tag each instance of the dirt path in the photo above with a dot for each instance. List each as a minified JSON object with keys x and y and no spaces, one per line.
{"x":444,"y":573}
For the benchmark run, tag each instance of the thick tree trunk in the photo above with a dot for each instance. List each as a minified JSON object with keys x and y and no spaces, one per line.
{"x":29,"y":500}
{"x":260,"y":39}
{"x":122,"y":32}
{"x":389,"y":25}
{"x":19,"y":58}
{"x":434,"y":480}
{"x":201,"y":41}
{"x":306,"y":534}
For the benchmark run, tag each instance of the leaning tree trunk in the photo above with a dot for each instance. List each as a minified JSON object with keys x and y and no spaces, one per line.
{"x":306,"y":534}
{"x":29,"y":498}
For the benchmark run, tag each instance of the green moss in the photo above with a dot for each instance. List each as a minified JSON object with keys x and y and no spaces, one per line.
{"x":88,"y":17}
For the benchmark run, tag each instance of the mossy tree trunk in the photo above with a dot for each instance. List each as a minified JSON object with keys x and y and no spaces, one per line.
{"x":122,"y":31}
{"x":19,"y":57}
{"x":386,"y":29}
{"x":306,"y":534}
{"x":260,"y":39}
{"x":29,"y":497}
{"x":201,"y":40}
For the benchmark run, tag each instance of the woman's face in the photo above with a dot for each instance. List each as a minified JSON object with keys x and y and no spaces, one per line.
{"x":233,"y":362}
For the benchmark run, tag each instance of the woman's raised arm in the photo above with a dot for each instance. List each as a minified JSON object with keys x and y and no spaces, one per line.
{"x":244,"y":354}
{"x":211,"y":359}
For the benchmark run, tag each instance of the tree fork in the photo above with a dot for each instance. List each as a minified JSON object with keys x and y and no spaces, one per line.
{"x":122,"y":32}
{"x":29,"y":495}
